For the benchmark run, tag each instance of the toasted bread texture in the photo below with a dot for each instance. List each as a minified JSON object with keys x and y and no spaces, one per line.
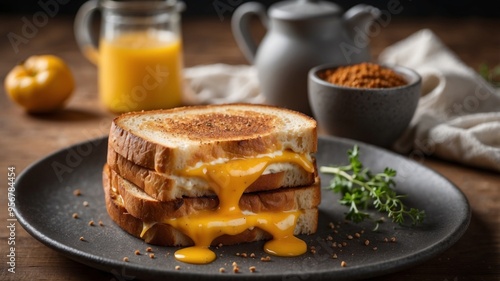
{"x":165,"y":187}
{"x":141,"y":205}
{"x":154,"y":232}
{"x":169,"y":140}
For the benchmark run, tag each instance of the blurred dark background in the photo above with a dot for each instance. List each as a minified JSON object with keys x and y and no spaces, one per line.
{"x":222,"y":8}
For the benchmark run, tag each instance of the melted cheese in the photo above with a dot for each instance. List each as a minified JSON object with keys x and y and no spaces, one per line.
{"x":229,"y":180}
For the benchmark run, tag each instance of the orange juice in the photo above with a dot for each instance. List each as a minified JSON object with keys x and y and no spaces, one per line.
{"x":140,"y":71}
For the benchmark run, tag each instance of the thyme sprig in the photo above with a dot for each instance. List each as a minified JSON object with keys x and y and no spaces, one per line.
{"x":360,"y":190}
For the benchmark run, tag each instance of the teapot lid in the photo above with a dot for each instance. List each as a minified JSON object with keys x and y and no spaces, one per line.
{"x":303,"y":9}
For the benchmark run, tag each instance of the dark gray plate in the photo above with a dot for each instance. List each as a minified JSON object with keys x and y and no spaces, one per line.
{"x":45,"y":203}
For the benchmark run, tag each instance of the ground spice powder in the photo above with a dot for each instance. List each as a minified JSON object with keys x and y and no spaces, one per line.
{"x":363,"y":75}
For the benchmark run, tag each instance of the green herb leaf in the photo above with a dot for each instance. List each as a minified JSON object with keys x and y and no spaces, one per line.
{"x":360,"y":190}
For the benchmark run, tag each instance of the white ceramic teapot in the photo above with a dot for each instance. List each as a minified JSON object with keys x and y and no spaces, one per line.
{"x":301,"y":34}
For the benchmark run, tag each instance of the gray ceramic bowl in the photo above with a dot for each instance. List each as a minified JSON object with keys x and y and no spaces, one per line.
{"x":377,"y":116}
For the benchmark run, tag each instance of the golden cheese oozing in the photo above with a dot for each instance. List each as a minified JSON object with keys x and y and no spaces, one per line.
{"x":230,"y":179}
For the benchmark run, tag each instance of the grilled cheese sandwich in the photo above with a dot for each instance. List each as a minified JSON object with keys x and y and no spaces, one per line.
{"x":229,"y":147}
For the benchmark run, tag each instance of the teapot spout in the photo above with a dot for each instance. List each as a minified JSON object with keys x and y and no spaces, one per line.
{"x":360,"y":17}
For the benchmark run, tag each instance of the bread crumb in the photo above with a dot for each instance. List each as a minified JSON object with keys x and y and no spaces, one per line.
{"x":357,"y":235}
{"x":266,"y":258}
{"x":334,"y":245}
{"x":375,"y":248}
{"x":334,"y":256}
{"x":386,"y":239}
{"x":244,"y":255}
{"x":77,"y":192}
{"x":137,"y":252}
{"x":101,"y":223}
{"x":367,"y":242}
{"x":349,"y":237}
{"x":125,"y":259}
{"x":85,"y":203}
{"x":222,"y":270}
{"x":91,"y":223}
{"x":152,"y":256}
{"x":81,"y":238}
{"x":252,"y":269}
{"x":252,"y":255}
{"x":149,"y":249}
{"x":329,"y":238}
{"x":393,"y":239}
{"x":343,"y":264}
{"x":234,"y":264}
{"x":331,"y":225}
{"x":75,"y":215}
{"x":236,"y":269}
{"x":220,"y":245}
{"x":177,"y":267}
{"x":344,"y":244}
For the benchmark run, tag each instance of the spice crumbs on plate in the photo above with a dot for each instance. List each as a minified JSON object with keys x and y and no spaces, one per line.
{"x":236,"y":268}
{"x":149,"y":249}
{"x":75,"y":215}
{"x":393,"y":239}
{"x":152,"y":255}
{"x":85,"y":203}
{"x":222,"y":270}
{"x":77,"y":192}
{"x":252,"y":269}
{"x":125,"y":259}
{"x":367,"y":242}
{"x":101,"y":223}
{"x":313,"y":250}
{"x":252,"y":255}
{"x":177,"y":267}
{"x":343,"y":264}
{"x":81,"y":238}
{"x":334,"y":256}
{"x":91,"y":223}
{"x":266,"y":258}
{"x":137,"y":252}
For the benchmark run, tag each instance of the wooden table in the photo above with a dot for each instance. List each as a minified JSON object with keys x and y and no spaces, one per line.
{"x":26,"y":138}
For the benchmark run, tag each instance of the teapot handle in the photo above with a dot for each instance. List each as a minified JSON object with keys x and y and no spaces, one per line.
{"x":240,"y":24}
{"x":82,"y":29}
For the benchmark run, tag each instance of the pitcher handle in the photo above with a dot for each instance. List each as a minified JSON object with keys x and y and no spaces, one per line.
{"x":82,"y":29}
{"x":240,"y":24}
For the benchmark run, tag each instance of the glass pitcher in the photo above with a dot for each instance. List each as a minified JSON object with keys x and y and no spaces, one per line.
{"x":139,"y":56}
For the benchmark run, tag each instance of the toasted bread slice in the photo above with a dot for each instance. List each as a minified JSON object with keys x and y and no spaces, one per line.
{"x":164,"y":187}
{"x":170,"y":140}
{"x":141,"y":205}
{"x":153,"y":232}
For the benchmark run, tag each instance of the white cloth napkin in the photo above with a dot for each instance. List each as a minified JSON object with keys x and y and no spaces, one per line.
{"x":458,"y":116}
{"x":221,"y":83}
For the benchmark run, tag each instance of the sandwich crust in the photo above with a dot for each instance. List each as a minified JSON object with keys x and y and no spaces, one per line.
{"x":165,"y":187}
{"x":168,"y":140}
{"x":165,"y":235}
{"x":146,"y":208}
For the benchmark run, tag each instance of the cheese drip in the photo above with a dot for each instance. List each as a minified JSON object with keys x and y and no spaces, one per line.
{"x":229,"y":181}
